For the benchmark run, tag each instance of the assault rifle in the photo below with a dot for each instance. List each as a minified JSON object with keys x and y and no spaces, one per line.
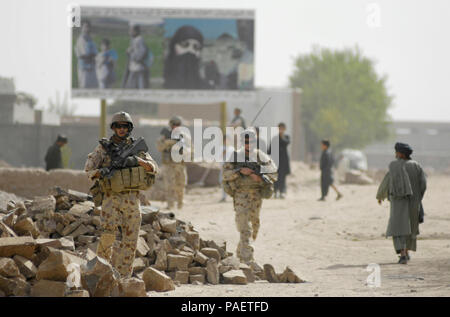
{"x":120,"y":154}
{"x":255,"y":167}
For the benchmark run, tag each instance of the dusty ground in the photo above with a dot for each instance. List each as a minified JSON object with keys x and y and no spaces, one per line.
{"x":329,"y":244}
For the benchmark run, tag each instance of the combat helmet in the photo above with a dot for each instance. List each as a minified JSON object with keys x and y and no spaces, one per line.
{"x":175,"y":120}
{"x":122,"y":116}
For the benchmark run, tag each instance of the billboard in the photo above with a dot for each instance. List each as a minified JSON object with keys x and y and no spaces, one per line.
{"x":150,"y":52}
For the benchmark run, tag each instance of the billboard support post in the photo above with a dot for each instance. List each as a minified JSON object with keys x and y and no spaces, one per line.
{"x":223,"y":116}
{"x":102,"y":118}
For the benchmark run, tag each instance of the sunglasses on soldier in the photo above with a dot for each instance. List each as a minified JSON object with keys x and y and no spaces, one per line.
{"x":123,"y":125}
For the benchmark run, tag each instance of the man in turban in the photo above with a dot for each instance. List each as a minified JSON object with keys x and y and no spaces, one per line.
{"x":182,"y":64}
{"x":404,"y":186}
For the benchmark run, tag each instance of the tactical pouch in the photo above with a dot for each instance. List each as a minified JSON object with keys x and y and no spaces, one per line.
{"x":134,"y":178}
{"x":97,"y":194}
{"x":267,"y":190}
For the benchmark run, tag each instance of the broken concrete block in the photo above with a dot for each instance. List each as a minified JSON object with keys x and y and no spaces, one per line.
{"x":212,"y":272}
{"x":24,"y":246}
{"x":96,"y":221}
{"x":197,"y":270}
{"x":178,"y":262}
{"x":46,"y":288}
{"x":142,"y":247}
{"x":157,"y":281}
{"x":71,"y":228}
{"x":65,"y":243}
{"x":99,"y":277}
{"x":211,"y":253}
{"x":288,"y":276}
{"x":60,"y":228}
{"x":49,"y":225}
{"x":200,"y":258}
{"x":57,"y":266}
{"x":248,"y":272}
{"x":224,"y":268}
{"x":168,"y":225}
{"x":26,"y":226}
{"x":270,"y":274}
{"x":182,"y":277}
{"x":82,"y":229}
{"x":139,"y":264}
{"x":197,"y":279}
{"x":132,"y":287}
{"x":86,"y":239}
{"x":63,"y":203}
{"x":221,"y":248}
{"x":161,"y":260}
{"x":231,"y":261}
{"x":15,"y":286}
{"x":26,"y":266}
{"x":8,"y":268}
{"x":90,"y":254}
{"x":234,"y":277}
{"x":6,"y":231}
{"x":9,"y":219}
{"x":42,"y":204}
{"x":81,"y":209}
{"x":193,"y":238}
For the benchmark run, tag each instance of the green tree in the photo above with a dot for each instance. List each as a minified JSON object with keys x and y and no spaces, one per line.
{"x":343,"y":98}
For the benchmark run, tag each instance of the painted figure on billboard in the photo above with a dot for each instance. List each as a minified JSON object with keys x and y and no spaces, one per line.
{"x":140,"y":58}
{"x":182,"y":65}
{"x":106,"y":61}
{"x":86,"y":51}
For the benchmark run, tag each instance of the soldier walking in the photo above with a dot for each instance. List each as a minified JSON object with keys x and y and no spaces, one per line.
{"x":174,"y":172}
{"x":404,"y":186}
{"x":119,"y":194}
{"x":248,"y":183}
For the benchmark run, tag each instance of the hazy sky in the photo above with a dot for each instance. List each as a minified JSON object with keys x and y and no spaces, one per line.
{"x":411,"y":46}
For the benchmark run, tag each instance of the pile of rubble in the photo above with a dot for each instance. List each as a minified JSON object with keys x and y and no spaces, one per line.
{"x":47,"y":248}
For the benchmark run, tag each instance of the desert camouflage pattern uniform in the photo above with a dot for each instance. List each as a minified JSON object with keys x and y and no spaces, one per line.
{"x":247,"y":202}
{"x":174,"y":173}
{"x":119,"y":211}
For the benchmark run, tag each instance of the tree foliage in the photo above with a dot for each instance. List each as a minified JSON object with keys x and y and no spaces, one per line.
{"x":343,"y":98}
{"x":63,"y":106}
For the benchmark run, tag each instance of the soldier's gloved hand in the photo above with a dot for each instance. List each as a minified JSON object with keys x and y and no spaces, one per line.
{"x":103,"y":171}
{"x":131,"y":161}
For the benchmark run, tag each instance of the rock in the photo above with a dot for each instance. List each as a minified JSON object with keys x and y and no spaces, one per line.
{"x":182,"y":277}
{"x":60,"y":228}
{"x":82,"y":208}
{"x":82,"y":229}
{"x":77,"y":293}
{"x":248,"y":272}
{"x":224,"y":268}
{"x":197,"y":270}
{"x":46,"y":288}
{"x":86,"y":239}
{"x":26,"y":267}
{"x":222,"y":249}
{"x":161,"y":260}
{"x":15,"y":286}
{"x":71,"y":228}
{"x":57,"y":265}
{"x":168,"y":225}
{"x":142,"y":247}
{"x":99,"y":277}
{"x":90,"y":254}
{"x":234,"y":277}
{"x":23,"y":246}
{"x":157,"y":281}
{"x":9,"y":219}
{"x":197,"y":279}
{"x":178,"y":262}
{"x":288,"y":276}
{"x":231,"y":261}
{"x":139,"y":264}
{"x":96,"y":221}
{"x":26,"y":226}
{"x":193,"y":238}
{"x":270,"y":274}
{"x":42,"y":204}
{"x":65,"y":243}
{"x":132,"y":287}
{"x":212,"y":272}
{"x":49,"y":226}
{"x":211,"y":253}
{"x":200,"y":258}
{"x":8,"y":268}
{"x":6,"y":231}
{"x":63,"y":203}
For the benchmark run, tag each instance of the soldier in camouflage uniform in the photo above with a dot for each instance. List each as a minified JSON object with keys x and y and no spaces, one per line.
{"x":174,"y":172}
{"x":248,"y":188}
{"x":119,"y":195}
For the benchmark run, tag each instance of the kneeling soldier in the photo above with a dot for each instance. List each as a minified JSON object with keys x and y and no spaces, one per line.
{"x":120,"y":167}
